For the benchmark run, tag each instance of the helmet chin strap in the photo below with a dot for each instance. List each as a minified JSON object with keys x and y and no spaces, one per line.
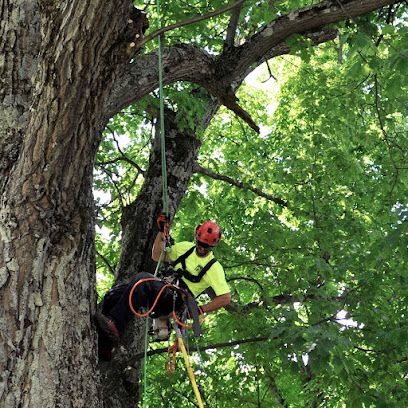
{"x":204,"y":245}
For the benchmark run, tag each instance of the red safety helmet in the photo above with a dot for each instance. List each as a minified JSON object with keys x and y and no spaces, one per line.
{"x":208,"y":234}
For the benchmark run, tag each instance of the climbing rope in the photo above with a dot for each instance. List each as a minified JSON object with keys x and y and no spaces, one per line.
{"x":179,"y":339}
{"x":164,"y":185}
{"x":162,"y":133}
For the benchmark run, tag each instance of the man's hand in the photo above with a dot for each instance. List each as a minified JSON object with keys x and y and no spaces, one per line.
{"x":162,"y":221}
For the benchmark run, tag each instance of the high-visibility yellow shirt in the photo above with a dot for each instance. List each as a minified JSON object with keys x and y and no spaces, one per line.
{"x":214,"y":277}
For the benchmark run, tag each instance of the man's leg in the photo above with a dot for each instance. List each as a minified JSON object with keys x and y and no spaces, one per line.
{"x":121,"y":314}
{"x":109,"y":328}
{"x":143,"y":297}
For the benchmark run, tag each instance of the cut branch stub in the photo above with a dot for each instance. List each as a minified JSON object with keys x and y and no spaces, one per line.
{"x":230,"y":101}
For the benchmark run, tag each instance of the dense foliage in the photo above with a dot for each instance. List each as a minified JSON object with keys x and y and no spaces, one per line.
{"x":321,"y":282}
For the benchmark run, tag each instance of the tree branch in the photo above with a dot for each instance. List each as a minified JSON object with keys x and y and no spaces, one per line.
{"x":229,"y":100}
{"x":209,"y":173}
{"x":185,"y":62}
{"x":105,"y":261}
{"x":209,"y":347}
{"x":232,"y":26}
{"x":182,"y":62}
{"x":139,"y":43}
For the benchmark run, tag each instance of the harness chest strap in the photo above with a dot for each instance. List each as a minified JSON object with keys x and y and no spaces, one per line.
{"x":185,"y":273}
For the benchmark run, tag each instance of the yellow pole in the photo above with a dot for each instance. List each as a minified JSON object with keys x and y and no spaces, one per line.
{"x":190,"y":372}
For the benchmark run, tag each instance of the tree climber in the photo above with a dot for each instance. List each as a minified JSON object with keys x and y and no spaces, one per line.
{"x":199,"y":255}
{"x":188,"y":260}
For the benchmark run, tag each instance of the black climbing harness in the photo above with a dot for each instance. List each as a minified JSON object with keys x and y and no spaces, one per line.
{"x":183,"y":272}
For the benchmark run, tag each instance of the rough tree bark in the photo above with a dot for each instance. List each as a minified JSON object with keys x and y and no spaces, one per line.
{"x":59,"y":62}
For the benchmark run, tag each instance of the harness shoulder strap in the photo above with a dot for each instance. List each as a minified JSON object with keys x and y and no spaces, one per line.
{"x":182,"y":258}
{"x":206,"y":268}
{"x":185,"y":273}
{"x":197,"y":278}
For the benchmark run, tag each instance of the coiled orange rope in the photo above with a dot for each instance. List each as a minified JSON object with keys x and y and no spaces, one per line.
{"x":168,"y":285}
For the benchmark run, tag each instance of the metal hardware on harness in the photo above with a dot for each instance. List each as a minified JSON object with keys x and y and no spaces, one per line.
{"x":161,"y":328}
{"x":167,"y":238}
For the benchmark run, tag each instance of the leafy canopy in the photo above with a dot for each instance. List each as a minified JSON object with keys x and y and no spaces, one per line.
{"x":324,"y":280}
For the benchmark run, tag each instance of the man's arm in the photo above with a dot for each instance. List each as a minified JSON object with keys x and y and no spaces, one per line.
{"x":217,"y":303}
{"x":157,"y":248}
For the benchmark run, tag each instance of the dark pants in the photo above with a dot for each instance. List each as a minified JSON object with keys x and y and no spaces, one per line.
{"x":143,"y":297}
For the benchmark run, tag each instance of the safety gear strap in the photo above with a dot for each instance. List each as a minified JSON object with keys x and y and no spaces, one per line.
{"x":182,"y":258}
{"x":193,"y":309}
{"x":185,"y":273}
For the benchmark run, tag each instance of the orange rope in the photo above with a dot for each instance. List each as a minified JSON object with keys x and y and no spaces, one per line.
{"x":157,"y":299}
{"x":185,"y":325}
{"x":173,"y":349}
{"x":155,"y":302}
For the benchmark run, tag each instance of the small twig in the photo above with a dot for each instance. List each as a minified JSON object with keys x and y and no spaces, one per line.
{"x":125,"y":159}
{"x":109,"y":174}
{"x":270,"y":73}
{"x":123,"y":156}
{"x":247,"y":279}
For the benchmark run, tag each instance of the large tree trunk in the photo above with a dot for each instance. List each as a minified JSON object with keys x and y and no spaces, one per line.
{"x":139,"y":229}
{"x":58,"y":67}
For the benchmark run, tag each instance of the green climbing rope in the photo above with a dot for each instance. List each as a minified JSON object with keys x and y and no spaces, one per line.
{"x":164,"y":187}
{"x":162,"y":133}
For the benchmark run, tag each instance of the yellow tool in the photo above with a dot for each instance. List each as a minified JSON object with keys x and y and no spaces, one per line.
{"x":189,"y":369}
